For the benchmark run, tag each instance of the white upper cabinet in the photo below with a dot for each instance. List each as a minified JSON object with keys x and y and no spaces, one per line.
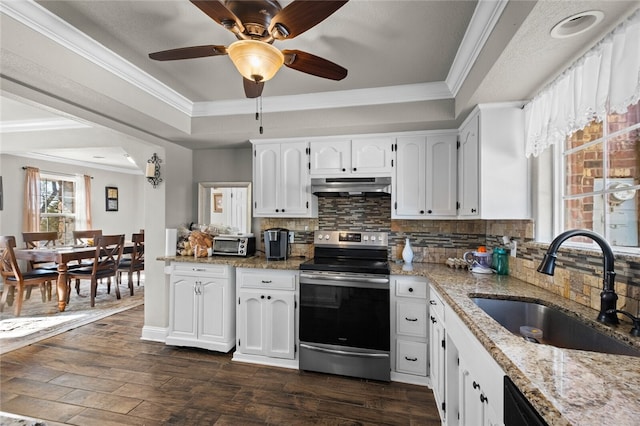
{"x":281,"y":180}
{"x":493,"y":172}
{"x":425,"y":179}
{"x":370,"y":156}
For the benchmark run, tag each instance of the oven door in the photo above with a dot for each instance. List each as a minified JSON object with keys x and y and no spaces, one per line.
{"x":344,"y":324}
{"x":345,"y":310}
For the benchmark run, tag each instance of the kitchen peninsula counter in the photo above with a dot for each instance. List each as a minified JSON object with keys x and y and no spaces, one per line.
{"x":258,"y":262}
{"x":566,"y":386}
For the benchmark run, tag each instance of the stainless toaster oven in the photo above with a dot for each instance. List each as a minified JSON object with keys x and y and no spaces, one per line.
{"x":234,"y":245}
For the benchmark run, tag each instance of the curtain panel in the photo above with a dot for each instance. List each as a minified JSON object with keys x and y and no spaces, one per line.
{"x":605,"y":80}
{"x":31,"y":206}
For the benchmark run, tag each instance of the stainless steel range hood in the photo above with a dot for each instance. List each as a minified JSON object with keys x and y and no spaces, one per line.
{"x":351,"y":186}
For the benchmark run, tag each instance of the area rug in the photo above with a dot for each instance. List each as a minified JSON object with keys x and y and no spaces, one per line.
{"x":40,"y":320}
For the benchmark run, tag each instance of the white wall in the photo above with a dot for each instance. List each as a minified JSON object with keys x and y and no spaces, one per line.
{"x":128,"y":219}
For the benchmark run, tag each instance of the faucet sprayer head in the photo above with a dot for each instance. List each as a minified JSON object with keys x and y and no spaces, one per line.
{"x":548,"y":264}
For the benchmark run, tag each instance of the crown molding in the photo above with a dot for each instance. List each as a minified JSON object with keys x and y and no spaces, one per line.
{"x":324,"y":100}
{"x":39,"y":19}
{"x":86,"y":164}
{"x":40,"y":125}
{"x":484,"y":19}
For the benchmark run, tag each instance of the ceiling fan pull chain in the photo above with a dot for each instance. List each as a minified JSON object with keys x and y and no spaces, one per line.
{"x":260,"y":97}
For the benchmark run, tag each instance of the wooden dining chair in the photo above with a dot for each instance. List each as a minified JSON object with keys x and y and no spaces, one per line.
{"x":86,"y":237}
{"x":35,"y":240}
{"x":15,"y":281}
{"x":105,"y":264}
{"x":133,"y":263}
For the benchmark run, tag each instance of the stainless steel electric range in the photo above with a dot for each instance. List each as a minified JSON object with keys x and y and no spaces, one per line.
{"x":344,"y":305}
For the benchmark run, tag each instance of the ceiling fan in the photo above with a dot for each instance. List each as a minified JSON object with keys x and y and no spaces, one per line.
{"x":257,"y":24}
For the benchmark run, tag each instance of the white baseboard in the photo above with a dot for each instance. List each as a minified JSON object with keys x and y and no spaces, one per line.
{"x":154,"y":334}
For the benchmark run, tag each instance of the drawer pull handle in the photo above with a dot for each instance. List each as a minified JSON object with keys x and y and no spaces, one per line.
{"x":199,"y":269}
{"x":410,"y":359}
{"x":432,"y":302}
{"x":266,"y":281}
{"x":411,"y":319}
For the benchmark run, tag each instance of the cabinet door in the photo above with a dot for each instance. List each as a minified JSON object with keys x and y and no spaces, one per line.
{"x":441,"y":169}
{"x":183,"y":307}
{"x":266,"y":179}
{"x":250,"y":323}
{"x":437,"y":359}
{"x":330,"y":158}
{"x":279,"y":322}
{"x":294,"y":174}
{"x":471,"y":408}
{"x":409,"y":185}
{"x":468,"y":190}
{"x":212,"y":310}
{"x":371,"y":156}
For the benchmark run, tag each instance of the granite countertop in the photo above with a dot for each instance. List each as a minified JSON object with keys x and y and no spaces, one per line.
{"x":259,"y":262}
{"x":566,"y":386}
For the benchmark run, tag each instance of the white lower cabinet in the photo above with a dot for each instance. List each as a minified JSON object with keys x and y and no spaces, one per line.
{"x":201,"y":306}
{"x":266,"y":316}
{"x":466,"y":380}
{"x":409,"y":329}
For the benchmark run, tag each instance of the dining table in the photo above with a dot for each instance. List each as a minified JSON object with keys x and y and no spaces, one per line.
{"x":62,"y":256}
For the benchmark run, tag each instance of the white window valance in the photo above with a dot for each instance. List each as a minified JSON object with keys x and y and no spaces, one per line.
{"x":605,"y":79}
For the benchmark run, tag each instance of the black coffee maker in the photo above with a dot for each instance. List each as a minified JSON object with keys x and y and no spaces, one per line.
{"x":276,"y":243}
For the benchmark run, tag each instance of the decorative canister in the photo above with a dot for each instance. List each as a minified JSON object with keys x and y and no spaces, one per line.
{"x":407,"y":252}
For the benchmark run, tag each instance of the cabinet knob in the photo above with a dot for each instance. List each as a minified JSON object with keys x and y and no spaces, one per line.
{"x":483,"y":398}
{"x":410,"y":359}
{"x":344,"y":170}
{"x":262,"y":297}
{"x":268,"y":297}
{"x":432,"y":302}
{"x":421,"y":211}
{"x":354,"y":169}
{"x":277,"y":210}
{"x":429,"y":211}
{"x":410,"y":289}
{"x":282,"y":210}
{"x":476,"y":385}
{"x":433,"y":320}
{"x":473,"y":210}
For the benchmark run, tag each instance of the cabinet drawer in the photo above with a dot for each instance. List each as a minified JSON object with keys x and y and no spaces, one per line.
{"x":411,"y":357}
{"x":197,"y":269}
{"x":436,"y":305}
{"x":407,"y":287}
{"x":260,"y":278}
{"x":411,"y":318}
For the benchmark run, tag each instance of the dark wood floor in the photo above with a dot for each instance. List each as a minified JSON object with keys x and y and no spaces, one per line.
{"x":103,"y":374}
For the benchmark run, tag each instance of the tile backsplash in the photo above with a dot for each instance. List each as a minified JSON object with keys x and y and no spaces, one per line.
{"x":578,"y":273}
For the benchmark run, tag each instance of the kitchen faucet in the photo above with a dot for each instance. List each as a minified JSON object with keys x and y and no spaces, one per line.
{"x":608,"y":296}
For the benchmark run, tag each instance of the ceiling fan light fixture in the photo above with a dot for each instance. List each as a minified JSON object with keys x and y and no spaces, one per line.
{"x":255,"y":60}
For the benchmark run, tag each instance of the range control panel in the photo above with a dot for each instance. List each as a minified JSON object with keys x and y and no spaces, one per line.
{"x":351,"y":238}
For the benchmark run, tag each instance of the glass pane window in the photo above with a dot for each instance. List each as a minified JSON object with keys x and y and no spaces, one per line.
{"x":58,"y":206}
{"x":601,"y":166}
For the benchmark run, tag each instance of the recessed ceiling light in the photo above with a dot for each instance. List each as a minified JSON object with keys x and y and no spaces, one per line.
{"x":576,"y":24}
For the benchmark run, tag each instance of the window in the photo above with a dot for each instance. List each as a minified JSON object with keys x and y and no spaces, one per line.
{"x":601,"y":178}
{"x":58,"y":206}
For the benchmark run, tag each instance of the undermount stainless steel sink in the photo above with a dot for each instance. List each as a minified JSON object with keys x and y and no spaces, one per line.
{"x":558,"y":328}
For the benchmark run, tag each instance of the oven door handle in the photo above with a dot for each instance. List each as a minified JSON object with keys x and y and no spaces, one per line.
{"x":340,"y":279}
{"x":339,"y":352}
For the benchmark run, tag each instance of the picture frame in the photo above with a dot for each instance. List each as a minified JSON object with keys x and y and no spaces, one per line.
{"x":217,"y":203}
{"x":111,"y":198}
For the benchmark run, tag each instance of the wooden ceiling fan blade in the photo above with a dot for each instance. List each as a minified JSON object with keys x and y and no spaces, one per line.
{"x":217,"y":11}
{"x":251,"y":88}
{"x":314,"y":65}
{"x":300,"y":15}
{"x":189,"y":52}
